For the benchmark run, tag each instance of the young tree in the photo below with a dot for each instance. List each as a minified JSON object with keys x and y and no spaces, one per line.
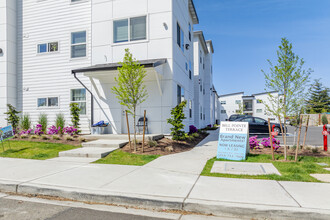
{"x":130,"y":89}
{"x":12,"y":117}
{"x":319,"y":99}
{"x":176,"y":120}
{"x":75,"y":116}
{"x":288,"y":78}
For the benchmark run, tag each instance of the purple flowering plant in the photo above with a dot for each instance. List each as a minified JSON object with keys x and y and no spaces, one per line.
{"x":70,"y":130}
{"x":266,"y":143}
{"x":38,"y":130}
{"x":54,"y":130}
{"x":192,"y":129}
{"x":29,"y":131}
{"x":254,"y":143}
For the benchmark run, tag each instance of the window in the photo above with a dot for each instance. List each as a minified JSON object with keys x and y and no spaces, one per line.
{"x":79,"y":96}
{"x":260,"y":121}
{"x":203,"y":91}
{"x":190,"y":68}
{"x":223,"y":111}
{"x":238,"y":102}
{"x":137,"y":29}
{"x":250,"y":120}
{"x":47,"y":102}
{"x":259,"y":110}
{"x":201,"y":113}
{"x":180,"y":37}
{"x":222,"y":102}
{"x":190,"y":109}
{"x":186,"y":66}
{"x":78,"y":44}
{"x":180,"y":94}
{"x":48,"y":47}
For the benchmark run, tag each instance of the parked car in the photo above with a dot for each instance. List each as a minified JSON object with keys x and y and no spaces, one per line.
{"x":236,"y":117}
{"x":259,"y":125}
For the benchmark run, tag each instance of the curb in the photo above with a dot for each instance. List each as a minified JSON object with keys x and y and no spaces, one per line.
{"x":238,"y":210}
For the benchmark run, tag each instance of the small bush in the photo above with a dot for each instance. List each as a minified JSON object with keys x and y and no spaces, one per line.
{"x":68,"y":138}
{"x":56,"y":137}
{"x":44,"y":137}
{"x":12,"y":117}
{"x":60,"y":122}
{"x":324,"y":120}
{"x":177,"y":117}
{"x":33,"y":137}
{"x":152,"y":143}
{"x":195,"y":135}
{"x":315,"y":150}
{"x":24,"y":136}
{"x":192,"y":129}
{"x":43,"y":121}
{"x":190,"y":138}
{"x":254,"y":143}
{"x":38,"y":130}
{"x":202,"y":132}
{"x":25,"y":122}
{"x":82,"y":139}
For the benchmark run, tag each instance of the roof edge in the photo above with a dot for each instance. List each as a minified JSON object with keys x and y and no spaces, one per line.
{"x":200,"y":34}
{"x":229,"y":94}
{"x":193,"y":12}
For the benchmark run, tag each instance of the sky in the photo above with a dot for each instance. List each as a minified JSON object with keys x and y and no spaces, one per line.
{"x":246,"y":33}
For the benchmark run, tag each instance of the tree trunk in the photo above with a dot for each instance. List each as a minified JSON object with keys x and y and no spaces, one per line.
{"x":283,"y":135}
{"x":134,"y":119}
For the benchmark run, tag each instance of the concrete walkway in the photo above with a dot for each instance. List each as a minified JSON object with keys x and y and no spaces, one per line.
{"x":170,"y":182}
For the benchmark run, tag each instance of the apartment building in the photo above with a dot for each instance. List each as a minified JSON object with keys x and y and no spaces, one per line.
{"x":254,"y":105}
{"x":55,"y":52}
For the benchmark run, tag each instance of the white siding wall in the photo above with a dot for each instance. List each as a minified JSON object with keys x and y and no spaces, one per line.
{"x":49,"y":75}
{"x":8,"y":61}
{"x":230,"y":107}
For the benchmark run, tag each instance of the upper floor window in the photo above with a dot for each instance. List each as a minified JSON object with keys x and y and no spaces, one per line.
{"x":78,"y":44}
{"x":130,"y":29}
{"x":190,"y":68}
{"x":222,"y":102}
{"x":48,"y":47}
{"x":238,"y":101}
{"x":180,"y":94}
{"x":189,"y":32}
{"x":180,"y":37}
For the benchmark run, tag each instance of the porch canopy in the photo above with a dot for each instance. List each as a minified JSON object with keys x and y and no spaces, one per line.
{"x":107,"y":72}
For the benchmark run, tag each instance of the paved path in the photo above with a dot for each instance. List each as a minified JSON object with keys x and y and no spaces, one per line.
{"x":170,"y":182}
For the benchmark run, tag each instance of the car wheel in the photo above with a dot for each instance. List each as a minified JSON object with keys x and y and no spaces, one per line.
{"x":277,"y":130}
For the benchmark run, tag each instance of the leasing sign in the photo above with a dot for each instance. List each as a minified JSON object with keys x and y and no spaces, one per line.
{"x":233,"y":141}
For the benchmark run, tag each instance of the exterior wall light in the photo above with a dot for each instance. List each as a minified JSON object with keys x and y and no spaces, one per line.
{"x":187,"y":46}
{"x":1,"y":51}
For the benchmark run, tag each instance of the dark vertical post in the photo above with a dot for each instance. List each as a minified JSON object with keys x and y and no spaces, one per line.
{"x":271,"y":139}
{"x":129,"y":135}
{"x":144,"y":130}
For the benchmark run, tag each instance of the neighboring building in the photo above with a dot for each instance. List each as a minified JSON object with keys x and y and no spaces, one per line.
{"x":86,"y":39}
{"x":237,"y":103}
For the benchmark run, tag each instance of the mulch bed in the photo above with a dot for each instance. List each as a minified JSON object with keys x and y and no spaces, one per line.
{"x":165,"y":146}
{"x":74,"y":142}
{"x":291,"y":152}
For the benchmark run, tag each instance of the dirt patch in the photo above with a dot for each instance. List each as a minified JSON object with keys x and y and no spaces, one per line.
{"x":165,"y":146}
{"x":291,"y":152}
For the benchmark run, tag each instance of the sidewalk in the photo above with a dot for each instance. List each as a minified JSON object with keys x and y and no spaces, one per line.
{"x":170,"y":182}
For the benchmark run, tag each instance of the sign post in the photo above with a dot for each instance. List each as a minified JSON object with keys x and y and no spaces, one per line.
{"x":233,"y":141}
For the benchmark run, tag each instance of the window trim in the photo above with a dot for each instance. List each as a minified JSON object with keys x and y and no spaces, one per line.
{"x":48,"y":107}
{"x":129,"y":30}
{"x":181,"y":37}
{"x":84,"y":57}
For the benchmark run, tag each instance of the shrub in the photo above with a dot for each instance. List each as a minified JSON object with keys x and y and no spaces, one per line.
{"x":315,"y":150}
{"x":324,"y":120}
{"x":60,"y":122}
{"x":152,"y":143}
{"x":25,"y":122}
{"x":254,"y":143}
{"x":266,"y":143}
{"x":190,"y":138}
{"x":43,"y":121}
{"x":38,"y":130}
{"x":28,"y":132}
{"x":82,"y":139}
{"x":56,"y":137}
{"x":33,"y":137}
{"x":24,"y":136}
{"x":12,"y":117}
{"x":192,"y":129}
{"x":202,"y":131}
{"x":177,"y":116}
{"x":44,"y":137}
{"x":75,"y":117}
{"x":195,"y":135}
{"x":68,"y":138}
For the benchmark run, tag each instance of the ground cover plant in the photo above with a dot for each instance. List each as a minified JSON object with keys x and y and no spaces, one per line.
{"x":291,"y":171}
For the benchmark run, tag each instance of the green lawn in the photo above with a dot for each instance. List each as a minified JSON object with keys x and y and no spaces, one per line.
{"x":33,"y":150}
{"x":290,"y":171}
{"x":123,"y":158}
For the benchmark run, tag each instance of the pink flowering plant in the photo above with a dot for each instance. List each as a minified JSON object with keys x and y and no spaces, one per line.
{"x":70,"y":130}
{"x":28,"y":132}
{"x":266,"y":143}
{"x":53,"y":130}
{"x":38,"y":130}
{"x":254,"y":143}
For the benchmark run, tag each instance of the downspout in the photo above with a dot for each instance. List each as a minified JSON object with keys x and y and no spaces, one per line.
{"x":92,"y":96}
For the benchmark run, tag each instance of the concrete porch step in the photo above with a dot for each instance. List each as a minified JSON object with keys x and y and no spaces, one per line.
{"x":103,"y":143}
{"x":88,"y":152}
